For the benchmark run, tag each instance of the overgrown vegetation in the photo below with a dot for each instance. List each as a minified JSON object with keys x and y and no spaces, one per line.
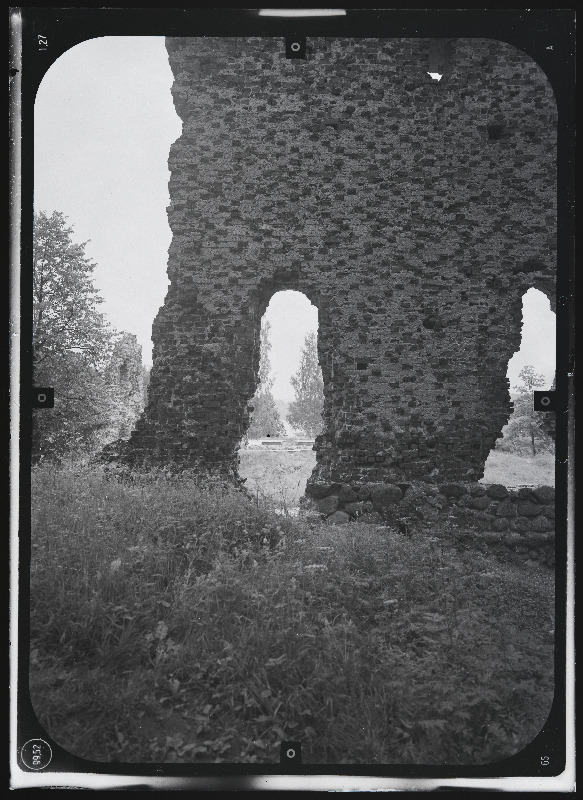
{"x":73,"y":346}
{"x":173,"y":621}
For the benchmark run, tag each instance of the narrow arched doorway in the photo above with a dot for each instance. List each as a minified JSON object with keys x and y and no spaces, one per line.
{"x":276,"y":456}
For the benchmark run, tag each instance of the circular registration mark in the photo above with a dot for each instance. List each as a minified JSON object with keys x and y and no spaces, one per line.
{"x":36,"y":754}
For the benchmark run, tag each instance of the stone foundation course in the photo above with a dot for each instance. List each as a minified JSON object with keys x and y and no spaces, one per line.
{"x":519,"y":521}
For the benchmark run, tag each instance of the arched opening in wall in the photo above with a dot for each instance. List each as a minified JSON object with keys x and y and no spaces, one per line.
{"x":525,"y":453}
{"x":276,"y":456}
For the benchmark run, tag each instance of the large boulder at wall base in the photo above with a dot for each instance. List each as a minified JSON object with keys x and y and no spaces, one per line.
{"x":346,"y":494}
{"x":321,"y":490}
{"x":497,"y":491}
{"x":328,"y":505}
{"x":526,"y":508}
{"x":385,"y":495}
{"x":544,"y":494}
{"x":480,"y":502}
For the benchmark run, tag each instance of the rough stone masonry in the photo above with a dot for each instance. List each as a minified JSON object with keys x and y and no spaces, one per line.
{"x":414,"y":213}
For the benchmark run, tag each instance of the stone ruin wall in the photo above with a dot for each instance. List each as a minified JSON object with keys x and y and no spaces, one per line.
{"x":124,"y":377}
{"x":413,"y":213}
{"x":519,"y":523}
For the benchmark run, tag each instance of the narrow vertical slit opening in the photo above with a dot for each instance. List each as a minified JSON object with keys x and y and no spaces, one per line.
{"x":276,"y":455}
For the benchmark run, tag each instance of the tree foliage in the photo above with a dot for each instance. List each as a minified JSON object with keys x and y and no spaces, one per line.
{"x":528,"y":430}
{"x":305,"y":412}
{"x":71,"y":343}
{"x":265,"y":419}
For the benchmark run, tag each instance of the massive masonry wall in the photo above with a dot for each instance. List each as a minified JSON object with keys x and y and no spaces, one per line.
{"x":413,"y":213}
{"x":518,"y":523}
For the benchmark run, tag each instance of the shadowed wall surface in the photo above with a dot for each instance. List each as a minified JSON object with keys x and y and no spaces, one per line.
{"x":413,"y":213}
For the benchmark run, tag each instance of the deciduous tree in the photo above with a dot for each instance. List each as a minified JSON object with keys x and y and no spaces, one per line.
{"x":527,"y":429}
{"x":305,"y":412}
{"x":71,"y":343}
{"x":265,"y":419}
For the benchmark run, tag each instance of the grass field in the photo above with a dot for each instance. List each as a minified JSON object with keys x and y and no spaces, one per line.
{"x":510,"y":469}
{"x":177,"y":622}
{"x":276,"y":477}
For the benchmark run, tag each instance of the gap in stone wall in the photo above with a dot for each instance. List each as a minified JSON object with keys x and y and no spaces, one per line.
{"x":511,"y":461}
{"x":276,"y":465}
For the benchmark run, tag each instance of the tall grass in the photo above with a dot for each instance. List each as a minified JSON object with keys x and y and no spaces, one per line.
{"x":173,"y":621}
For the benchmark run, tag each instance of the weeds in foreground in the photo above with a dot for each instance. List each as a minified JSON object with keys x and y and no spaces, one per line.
{"x":175,"y":622}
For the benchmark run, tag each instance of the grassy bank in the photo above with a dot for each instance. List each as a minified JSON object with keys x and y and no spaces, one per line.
{"x":512,"y":469}
{"x":178,"y":622}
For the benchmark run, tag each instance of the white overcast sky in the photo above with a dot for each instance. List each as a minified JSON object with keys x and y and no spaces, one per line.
{"x":104,"y":123}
